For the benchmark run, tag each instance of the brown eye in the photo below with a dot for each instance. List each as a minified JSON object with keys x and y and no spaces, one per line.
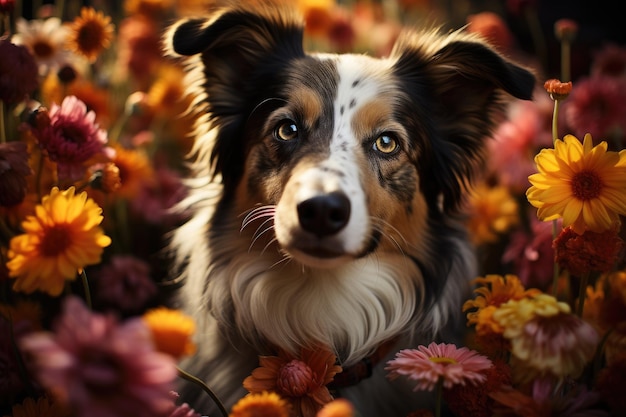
{"x":385,"y":144}
{"x":286,"y":130}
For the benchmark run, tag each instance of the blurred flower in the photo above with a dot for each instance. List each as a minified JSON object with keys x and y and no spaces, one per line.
{"x":13,"y":171}
{"x":578,"y":402}
{"x":545,"y":337}
{"x":72,"y":137}
{"x":46,"y":40}
{"x":596,"y":106}
{"x":90,"y":33}
{"x":184,"y":410}
{"x":261,"y":404}
{"x":149,"y":8}
{"x":18,"y":72}
{"x":582,"y":183}
{"x":24,"y":315}
{"x":609,"y":61}
{"x":135,"y":170}
{"x":565,"y":29}
{"x":301,"y":381}
{"x":317,"y":16}
{"x":155,"y":199}
{"x":139,"y":50}
{"x":516,"y":140}
{"x":428,"y":364}
{"x":59,"y":240}
{"x":591,"y":251}
{"x":532,"y":255}
{"x":42,"y":406}
{"x":491,"y":27}
{"x":99,"y":366}
{"x":474,"y":400}
{"x":172,"y":331}
{"x":493,"y":211}
{"x":7,"y":6}
{"x":613,"y":308}
{"x":337,"y":408}
{"x":609,"y":383}
{"x":124,"y":284}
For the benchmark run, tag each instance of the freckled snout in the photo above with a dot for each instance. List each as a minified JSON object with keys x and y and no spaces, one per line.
{"x":324,"y":215}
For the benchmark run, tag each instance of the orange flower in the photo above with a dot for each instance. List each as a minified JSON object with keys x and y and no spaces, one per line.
{"x":171,"y":331}
{"x":134,"y":170}
{"x":90,"y":33}
{"x":337,"y":408}
{"x":263,"y":404}
{"x":302,"y":381}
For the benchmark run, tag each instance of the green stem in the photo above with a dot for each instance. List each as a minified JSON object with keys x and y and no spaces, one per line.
{"x":187,"y":376}
{"x":438,"y":397}
{"x":3,"y":135}
{"x":83,"y":277}
{"x":582,"y":287}
{"x":555,"y":121}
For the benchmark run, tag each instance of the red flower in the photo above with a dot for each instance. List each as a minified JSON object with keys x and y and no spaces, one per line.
{"x":591,"y":251}
{"x":301,"y":381}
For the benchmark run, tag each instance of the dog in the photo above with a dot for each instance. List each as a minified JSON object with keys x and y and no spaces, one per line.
{"x":326,"y":197}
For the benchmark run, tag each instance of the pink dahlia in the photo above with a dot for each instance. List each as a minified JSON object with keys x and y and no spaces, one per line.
{"x":427,"y":365}
{"x":72,"y":137}
{"x":100,"y":367}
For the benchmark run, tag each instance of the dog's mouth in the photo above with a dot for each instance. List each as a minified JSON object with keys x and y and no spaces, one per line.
{"x":318,"y":256}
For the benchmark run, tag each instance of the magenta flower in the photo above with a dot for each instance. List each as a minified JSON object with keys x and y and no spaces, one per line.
{"x":155,"y":199}
{"x":445,"y":362}
{"x":124,"y":284}
{"x":18,"y":72}
{"x":72,"y":137}
{"x":100,"y":367}
{"x":597,"y":106}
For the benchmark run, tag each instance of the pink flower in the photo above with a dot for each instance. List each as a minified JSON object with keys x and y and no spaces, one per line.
{"x":427,"y":365}
{"x":597,"y":106}
{"x":72,"y":137}
{"x":155,"y":198}
{"x":101,"y":367}
{"x":124,"y":284}
{"x":532,"y":254}
{"x":609,"y":61}
{"x":18,"y":72}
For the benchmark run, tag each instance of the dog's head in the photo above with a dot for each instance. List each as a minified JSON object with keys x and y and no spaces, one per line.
{"x":343,"y":149}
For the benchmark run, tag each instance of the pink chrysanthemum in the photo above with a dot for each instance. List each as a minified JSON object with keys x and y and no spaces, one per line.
{"x":100,"y":367}
{"x":72,"y":137}
{"x":427,"y":365}
{"x":596,"y":106}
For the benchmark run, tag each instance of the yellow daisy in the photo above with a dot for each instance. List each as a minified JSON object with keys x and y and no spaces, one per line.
{"x":171,"y":331}
{"x":90,"y":33}
{"x":263,"y":404}
{"x":581,"y":183}
{"x":61,"y":238}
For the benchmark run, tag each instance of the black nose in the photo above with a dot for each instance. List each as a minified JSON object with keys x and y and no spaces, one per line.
{"x":325,"y":214}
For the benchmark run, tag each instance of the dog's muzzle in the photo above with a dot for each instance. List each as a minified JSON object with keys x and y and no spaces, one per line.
{"x":324,"y":215}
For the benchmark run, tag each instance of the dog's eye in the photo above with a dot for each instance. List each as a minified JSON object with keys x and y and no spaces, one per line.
{"x":386,"y":144}
{"x":286,"y":130}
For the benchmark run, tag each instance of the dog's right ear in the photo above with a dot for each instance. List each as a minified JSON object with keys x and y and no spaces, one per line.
{"x":233,"y":59}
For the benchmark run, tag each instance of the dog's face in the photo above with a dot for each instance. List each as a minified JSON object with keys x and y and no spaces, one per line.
{"x":341,"y":155}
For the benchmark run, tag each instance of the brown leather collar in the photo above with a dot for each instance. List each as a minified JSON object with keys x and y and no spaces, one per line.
{"x":361,"y":370}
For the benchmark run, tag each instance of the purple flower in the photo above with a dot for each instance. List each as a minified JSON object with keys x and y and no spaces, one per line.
{"x":13,"y":171}
{"x":18,"y":72}
{"x":72,"y":137}
{"x":124,"y":284}
{"x":101,"y":367}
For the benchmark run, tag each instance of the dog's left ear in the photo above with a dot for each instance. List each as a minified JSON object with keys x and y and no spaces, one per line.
{"x":459,"y":80}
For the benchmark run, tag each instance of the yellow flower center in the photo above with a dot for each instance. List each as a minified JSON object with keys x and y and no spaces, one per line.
{"x":55,"y":240}
{"x":443,"y":360}
{"x":586,"y":185}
